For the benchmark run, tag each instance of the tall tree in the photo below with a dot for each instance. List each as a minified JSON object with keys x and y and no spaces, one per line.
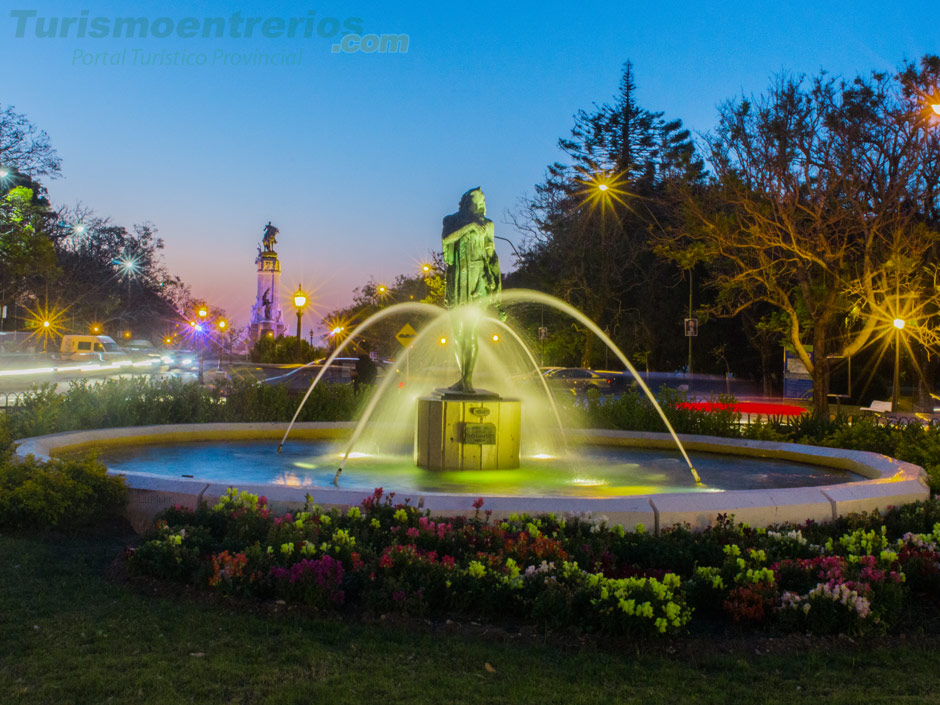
{"x":27,"y":256}
{"x":589,"y":221}
{"x":823,"y":206}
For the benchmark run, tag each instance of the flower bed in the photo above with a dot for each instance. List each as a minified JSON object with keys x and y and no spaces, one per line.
{"x":860,"y":575}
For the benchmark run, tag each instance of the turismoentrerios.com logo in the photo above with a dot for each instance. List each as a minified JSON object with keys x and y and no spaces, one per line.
{"x":349,"y":33}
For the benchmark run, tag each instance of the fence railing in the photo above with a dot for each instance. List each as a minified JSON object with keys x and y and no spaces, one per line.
{"x":11,"y":399}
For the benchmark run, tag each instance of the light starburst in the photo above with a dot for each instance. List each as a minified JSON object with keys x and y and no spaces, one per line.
{"x":46,"y":323}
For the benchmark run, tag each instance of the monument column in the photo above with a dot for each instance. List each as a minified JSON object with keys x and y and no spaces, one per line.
{"x":266,"y":315}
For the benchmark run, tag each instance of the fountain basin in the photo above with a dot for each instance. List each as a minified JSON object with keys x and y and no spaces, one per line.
{"x":882,"y":482}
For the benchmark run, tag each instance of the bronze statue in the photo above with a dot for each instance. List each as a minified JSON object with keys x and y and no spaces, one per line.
{"x":270,"y":237}
{"x":266,"y":304}
{"x":472,"y":275}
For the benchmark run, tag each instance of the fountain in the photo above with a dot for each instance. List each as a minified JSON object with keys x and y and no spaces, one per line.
{"x":461,"y":427}
{"x":436,"y":441}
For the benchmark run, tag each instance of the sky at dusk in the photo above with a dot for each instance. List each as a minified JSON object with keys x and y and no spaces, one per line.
{"x":357,"y":156}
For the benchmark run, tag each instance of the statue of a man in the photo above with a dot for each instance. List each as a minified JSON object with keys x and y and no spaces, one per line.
{"x":270,"y":237}
{"x":472,"y":275}
{"x":266,"y":304}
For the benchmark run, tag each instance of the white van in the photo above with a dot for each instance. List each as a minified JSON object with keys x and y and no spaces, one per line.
{"x":91,"y":348}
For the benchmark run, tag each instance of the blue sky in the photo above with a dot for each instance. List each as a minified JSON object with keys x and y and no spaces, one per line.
{"x":356,"y":157}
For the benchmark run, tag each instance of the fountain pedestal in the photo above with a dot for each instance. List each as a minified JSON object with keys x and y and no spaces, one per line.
{"x":467,"y":432}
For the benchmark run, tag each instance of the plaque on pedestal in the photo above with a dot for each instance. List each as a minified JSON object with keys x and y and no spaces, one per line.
{"x":467,"y":432}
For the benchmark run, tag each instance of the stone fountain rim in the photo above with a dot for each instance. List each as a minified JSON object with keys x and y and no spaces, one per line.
{"x":888,"y":481}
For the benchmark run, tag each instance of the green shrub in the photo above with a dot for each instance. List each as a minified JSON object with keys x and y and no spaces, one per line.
{"x":59,"y":494}
{"x":141,"y":401}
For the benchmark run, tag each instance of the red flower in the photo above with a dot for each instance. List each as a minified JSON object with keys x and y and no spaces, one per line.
{"x":478,"y":503}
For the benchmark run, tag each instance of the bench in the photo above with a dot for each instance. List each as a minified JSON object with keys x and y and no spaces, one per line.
{"x":878,"y":407}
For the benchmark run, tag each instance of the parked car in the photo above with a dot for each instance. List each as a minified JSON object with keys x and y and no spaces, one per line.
{"x":579,"y":380}
{"x":299,"y":379}
{"x":620,"y":382}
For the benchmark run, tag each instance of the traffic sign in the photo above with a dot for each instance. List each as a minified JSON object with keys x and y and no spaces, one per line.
{"x":406,"y":335}
{"x":543,"y":333}
{"x":691,"y":327}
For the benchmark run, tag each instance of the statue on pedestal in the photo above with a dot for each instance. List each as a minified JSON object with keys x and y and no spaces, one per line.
{"x":472,"y":275}
{"x":266,"y":304}
{"x":270,"y":237}
{"x":266,"y":312}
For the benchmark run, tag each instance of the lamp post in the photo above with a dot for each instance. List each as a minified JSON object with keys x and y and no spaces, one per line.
{"x":300,"y":300}
{"x":222,"y":325}
{"x":202,"y":312}
{"x":898,"y":327}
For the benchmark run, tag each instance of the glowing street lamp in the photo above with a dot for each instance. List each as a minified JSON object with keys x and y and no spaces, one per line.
{"x":426,"y":268}
{"x":936,"y":108}
{"x":300,"y":300}
{"x":4,"y":173}
{"x":221,"y":324}
{"x":202,"y":313}
{"x":46,"y":323}
{"x":602,"y":187}
{"x":898,"y":327}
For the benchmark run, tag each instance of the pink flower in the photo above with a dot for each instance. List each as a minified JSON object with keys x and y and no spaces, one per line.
{"x":262,"y":500}
{"x":412,"y":533}
{"x":478,"y":503}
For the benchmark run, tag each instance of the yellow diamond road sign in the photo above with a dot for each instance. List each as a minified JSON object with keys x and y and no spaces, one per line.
{"x":406,"y":335}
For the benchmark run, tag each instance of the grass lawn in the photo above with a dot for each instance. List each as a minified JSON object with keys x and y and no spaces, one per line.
{"x":68,"y":635}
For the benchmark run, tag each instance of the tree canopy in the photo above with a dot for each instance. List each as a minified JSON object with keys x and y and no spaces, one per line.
{"x":823,"y":206}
